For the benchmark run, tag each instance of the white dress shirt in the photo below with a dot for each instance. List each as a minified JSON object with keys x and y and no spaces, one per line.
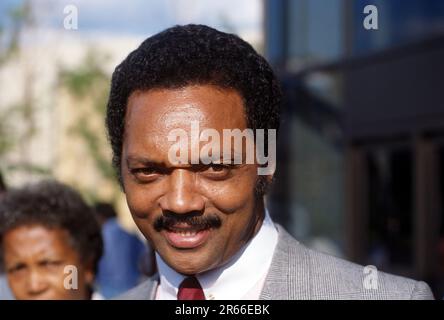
{"x":240,"y":279}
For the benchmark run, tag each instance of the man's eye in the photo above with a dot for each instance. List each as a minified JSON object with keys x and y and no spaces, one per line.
{"x":217,"y":171}
{"x":146,"y":174}
{"x":144,"y":171}
{"x":218,"y":167}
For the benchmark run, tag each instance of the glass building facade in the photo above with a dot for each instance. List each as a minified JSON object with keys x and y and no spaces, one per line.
{"x":361,"y":168}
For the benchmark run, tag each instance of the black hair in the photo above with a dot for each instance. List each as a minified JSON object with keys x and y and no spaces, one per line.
{"x":194,"y":55}
{"x":2,"y":184}
{"x":105,"y":210}
{"x":54,"y":205}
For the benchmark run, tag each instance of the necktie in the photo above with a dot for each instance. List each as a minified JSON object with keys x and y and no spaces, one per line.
{"x":190,"y":289}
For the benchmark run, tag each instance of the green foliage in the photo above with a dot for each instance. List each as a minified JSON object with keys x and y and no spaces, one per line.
{"x":6,"y":139}
{"x":89,"y":82}
{"x":19,"y":18}
{"x":95,"y":147}
{"x":11,"y":137}
{"x":87,"y":79}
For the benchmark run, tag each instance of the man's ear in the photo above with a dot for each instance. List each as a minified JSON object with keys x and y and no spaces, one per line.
{"x":269,"y":179}
{"x":263,"y":184}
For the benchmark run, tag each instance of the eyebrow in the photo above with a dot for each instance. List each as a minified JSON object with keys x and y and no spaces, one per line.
{"x":144,"y":161}
{"x":147,"y":162}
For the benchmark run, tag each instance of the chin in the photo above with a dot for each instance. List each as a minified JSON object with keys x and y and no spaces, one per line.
{"x":191,"y":267}
{"x":190,"y":264}
{"x":188,"y":270}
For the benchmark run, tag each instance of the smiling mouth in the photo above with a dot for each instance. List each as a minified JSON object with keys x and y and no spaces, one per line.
{"x":184,"y":236}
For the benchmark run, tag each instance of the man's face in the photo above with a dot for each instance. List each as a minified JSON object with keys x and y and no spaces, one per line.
{"x":35,"y":258}
{"x":196,"y":216}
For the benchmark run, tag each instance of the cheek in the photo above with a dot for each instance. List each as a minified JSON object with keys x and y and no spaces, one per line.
{"x":232,"y":195}
{"x":17,"y":285}
{"x":63,"y":284}
{"x":56,"y":278}
{"x":141,"y":199}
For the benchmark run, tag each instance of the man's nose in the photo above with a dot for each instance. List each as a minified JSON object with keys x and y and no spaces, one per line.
{"x":181,"y":196}
{"x":37,"y":283}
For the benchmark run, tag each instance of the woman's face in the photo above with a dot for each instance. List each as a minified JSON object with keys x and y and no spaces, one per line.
{"x":42,"y":265}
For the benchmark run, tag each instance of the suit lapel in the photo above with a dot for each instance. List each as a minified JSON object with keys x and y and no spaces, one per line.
{"x":289,"y":274}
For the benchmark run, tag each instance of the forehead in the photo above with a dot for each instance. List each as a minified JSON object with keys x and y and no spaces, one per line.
{"x":33,"y":241}
{"x":169,"y":108}
{"x":152,"y":114}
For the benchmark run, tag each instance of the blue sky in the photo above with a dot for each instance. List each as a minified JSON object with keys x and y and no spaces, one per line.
{"x":144,"y":17}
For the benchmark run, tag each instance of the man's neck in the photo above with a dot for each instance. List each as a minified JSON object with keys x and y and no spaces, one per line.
{"x":259,"y":219}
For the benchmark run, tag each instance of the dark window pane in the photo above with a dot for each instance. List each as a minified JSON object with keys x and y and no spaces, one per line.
{"x":390,"y":208}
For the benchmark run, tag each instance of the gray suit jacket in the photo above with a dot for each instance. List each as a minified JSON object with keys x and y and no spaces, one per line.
{"x":297,"y":272}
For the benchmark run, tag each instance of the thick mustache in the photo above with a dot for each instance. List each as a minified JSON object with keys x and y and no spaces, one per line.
{"x":197,"y":222}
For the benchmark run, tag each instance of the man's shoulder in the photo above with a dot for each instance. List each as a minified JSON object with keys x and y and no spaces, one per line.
{"x":323,"y":276}
{"x":144,"y":291}
{"x":353,"y":281}
{"x":297,"y":272}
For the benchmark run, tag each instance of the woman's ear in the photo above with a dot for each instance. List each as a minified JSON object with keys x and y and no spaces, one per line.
{"x":89,"y":273}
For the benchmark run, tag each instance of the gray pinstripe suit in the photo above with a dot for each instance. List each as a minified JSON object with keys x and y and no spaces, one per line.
{"x":297,"y":272}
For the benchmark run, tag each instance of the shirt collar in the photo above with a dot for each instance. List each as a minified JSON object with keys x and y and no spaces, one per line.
{"x":233,"y":280}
